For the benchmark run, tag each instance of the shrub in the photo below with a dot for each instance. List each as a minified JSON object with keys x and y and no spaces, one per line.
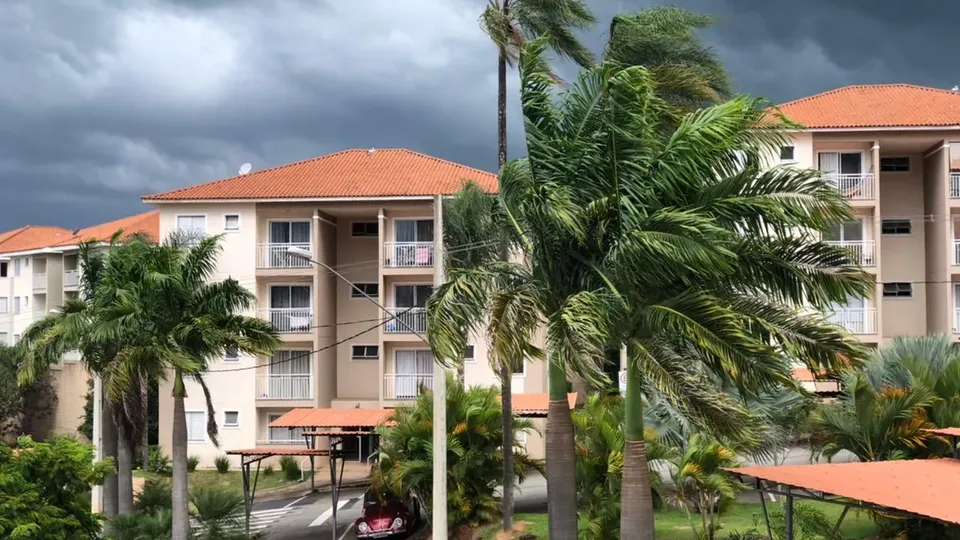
{"x":475,"y":463}
{"x":156,"y":495}
{"x":290,"y":468}
{"x":809,"y":523}
{"x":268,"y":470}
{"x":217,"y":510}
{"x":158,"y":462}
{"x":222,"y":463}
{"x":157,"y":526}
{"x":192,"y":463}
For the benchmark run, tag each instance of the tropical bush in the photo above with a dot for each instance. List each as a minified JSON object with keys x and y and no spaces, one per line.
{"x":45,"y":489}
{"x":290,"y":468}
{"x":809,"y":523}
{"x":150,"y":526}
{"x":268,"y":470}
{"x":217,"y":511}
{"x":156,"y":495}
{"x":192,"y":463}
{"x":701,"y":484}
{"x":474,"y":460}
{"x":222,"y":463}
{"x":158,"y":462}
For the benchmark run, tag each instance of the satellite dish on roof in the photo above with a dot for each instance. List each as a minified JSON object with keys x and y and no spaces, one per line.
{"x":245,"y":168}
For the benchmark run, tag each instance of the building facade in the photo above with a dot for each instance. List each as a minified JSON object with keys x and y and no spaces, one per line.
{"x":369,"y":214}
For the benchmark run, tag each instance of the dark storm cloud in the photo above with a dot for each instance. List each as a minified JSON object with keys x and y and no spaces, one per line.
{"x":100,"y":104}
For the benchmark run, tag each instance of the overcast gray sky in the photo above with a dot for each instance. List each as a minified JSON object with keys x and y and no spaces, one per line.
{"x":100,"y":104}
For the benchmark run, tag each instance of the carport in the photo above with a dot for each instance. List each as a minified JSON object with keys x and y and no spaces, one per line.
{"x":921,"y":488}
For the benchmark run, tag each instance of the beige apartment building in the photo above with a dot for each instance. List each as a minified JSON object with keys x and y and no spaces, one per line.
{"x":892,"y":150}
{"x":39,"y":270}
{"x":370,"y":215}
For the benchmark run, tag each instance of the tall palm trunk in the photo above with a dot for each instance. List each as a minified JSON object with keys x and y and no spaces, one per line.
{"x":636,"y":501}
{"x":109,"y":435}
{"x":144,"y":407}
{"x":506,"y":399}
{"x":561,"y":467}
{"x":124,"y":473}
{"x":181,"y":517}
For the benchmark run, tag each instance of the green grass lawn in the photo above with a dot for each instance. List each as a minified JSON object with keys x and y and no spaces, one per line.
{"x":673,"y":524}
{"x":230,"y":480}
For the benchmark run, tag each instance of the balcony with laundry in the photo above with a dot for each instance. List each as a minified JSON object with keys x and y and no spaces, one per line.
{"x":408,"y":248}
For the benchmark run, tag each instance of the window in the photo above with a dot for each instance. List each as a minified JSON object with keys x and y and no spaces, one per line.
{"x":290,"y":232}
{"x":519,"y":367}
{"x":522,"y":439}
{"x":16,"y":304}
{"x":786,"y":153}
{"x":192,"y":228}
{"x":468,"y":354}
{"x":898,"y":290}
{"x":3,"y":338}
{"x":3,"y":269}
{"x":283,"y":435}
{"x":3,"y":304}
{"x":26,"y":262}
{"x":412,"y":296}
{"x":895,"y":226}
{"x":365,"y":352}
{"x":26,"y":301}
{"x":369,"y":289}
{"x":231,"y":355}
{"x":414,"y":230}
{"x":851,"y":231}
{"x":841,"y":162}
{"x":231,"y":222}
{"x":894,"y":164}
{"x":196,"y":426}
{"x":231,"y":418}
{"x":365,"y":228}
{"x":16,"y":339}
{"x":16,"y":267}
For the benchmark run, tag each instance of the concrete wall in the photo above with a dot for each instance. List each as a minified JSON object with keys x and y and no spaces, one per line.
{"x":70,"y":384}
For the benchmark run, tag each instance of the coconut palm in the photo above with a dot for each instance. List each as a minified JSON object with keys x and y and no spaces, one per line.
{"x":664,"y":39}
{"x":174,"y":318}
{"x":875,"y":424}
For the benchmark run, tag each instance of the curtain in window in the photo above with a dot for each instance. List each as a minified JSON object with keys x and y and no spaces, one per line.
{"x":405,"y":231}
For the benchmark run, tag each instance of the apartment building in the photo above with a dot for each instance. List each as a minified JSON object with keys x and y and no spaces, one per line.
{"x":370,"y":215}
{"x":39,"y":270}
{"x":892,"y":150}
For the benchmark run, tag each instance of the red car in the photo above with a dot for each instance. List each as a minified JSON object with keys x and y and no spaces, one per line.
{"x":385,"y":515}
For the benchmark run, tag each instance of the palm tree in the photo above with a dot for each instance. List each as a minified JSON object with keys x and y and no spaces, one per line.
{"x":510,"y":23}
{"x":702,"y":484}
{"x":664,"y":40}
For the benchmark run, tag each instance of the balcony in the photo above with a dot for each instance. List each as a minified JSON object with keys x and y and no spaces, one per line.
{"x":406,"y":386}
{"x":408,"y":320}
{"x":284,"y":386}
{"x":861,"y":251}
{"x":289,"y":320}
{"x":72,"y":356}
{"x":408,"y":254}
{"x":71,"y":279}
{"x":39,"y":282}
{"x":275,"y":255}
{"x":855,"y":320}
{"x":856,"y":187}
{"x":955,"y":186}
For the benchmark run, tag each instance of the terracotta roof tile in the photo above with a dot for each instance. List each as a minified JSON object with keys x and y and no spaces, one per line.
{"x":32,"y":237}
{"x":537,"y":404}
{"x":274,"y":451}
{"x":350,"y":173}
{"x":331,"y":418}
{"x":924,"y":487}
{"x":876,"y":105}
{"x":147,"y":223}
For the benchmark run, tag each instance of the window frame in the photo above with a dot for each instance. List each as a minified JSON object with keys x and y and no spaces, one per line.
{"x":228,"y":425}
{"x":895,"y":168}
{"x":364,"y":358}
{"x":472,"y":359}
{"x":355,"y":295}
{"x":203,"y":434}
{"x":896,"y":231}
{"x":17,"y":265}
{"x":897,"y":294}
{"x":227,"y":359}
{"x":366,"y":222}
{"x":4,"y":269}
{"x":206,"y":227}
{"x":239,"y":223}
{"x":793,"y":154}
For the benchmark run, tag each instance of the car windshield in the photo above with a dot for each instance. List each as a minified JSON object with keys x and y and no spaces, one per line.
{"x":372,"y":498}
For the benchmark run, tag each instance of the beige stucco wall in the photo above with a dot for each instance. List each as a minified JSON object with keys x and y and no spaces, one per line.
{"x":70,"y":384}
{"x":938,"y":241}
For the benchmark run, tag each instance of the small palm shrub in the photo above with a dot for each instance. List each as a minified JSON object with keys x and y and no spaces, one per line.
{"x":155,"y":496}
{"x":290,"y":468}
{"x":158,"y":462}
{"x":702,"y":485}
{"x":475,"y":460}
{"x":222,"y":463}
{"x":268,"y":470}
{"x":809,"y":523}
{"x":217,"y":511}
{"x":192,"y":463}
{"x":156,"y":526}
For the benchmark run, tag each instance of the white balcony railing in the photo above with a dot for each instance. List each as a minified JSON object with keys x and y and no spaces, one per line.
{"x":406,"y":386}
{"x":289,"y":320}
{"x":956,"y":321}
{"x":39,"y":282}
{"x":408,"y":254}
{"x":281,"y":442}
{"x":855,"y":320}
{"x":956,"y":251}
{"x":276,"y":386}
{"x":955,"y":186}
{"x":71,"y":278}
{"x":72,"y":356}
{"x":861,"y":251}
{"x":853,"y":186}
{"x":407,"y":321}
{"x":275,"y":255}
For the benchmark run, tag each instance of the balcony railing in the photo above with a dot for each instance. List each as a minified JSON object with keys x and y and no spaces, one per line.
{"x":855,"y":320}
{"x":861,"y":251}
{"x":71,"y":278}
{"x":955,"y":186}
{"x":285,"y":386}
{"x":408,"y":320}
{"x":275,"y":255}
{"x":282,"y":442}
{"x":39,"y":282}
{"x":408,"y":254}
{"x":853,"y":186}
{"x":956,"y":251}
{"x":405,"y":386}
{"x":289,"y":320}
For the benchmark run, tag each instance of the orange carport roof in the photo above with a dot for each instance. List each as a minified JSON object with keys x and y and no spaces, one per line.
{"x":332,"y":418}
{"x":949,"y":432}
{"x":537,"y":404}
{"x":925,"y":487}
{"x":271,"y":451}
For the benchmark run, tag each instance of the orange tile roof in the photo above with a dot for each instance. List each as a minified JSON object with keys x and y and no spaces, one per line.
{"x":949,"y":432}
{"x":332,"y":418}
{"x":350,"y":173}
{"x":32,"y":237}
{"x":876,"y":106}
{"x":925,"y":487}
{"x":537,"y":404}
{"x":147,"y":223}
{"x":274,"y":451}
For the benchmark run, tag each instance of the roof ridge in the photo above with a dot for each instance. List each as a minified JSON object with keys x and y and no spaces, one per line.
{"x":852,"y":86}
{"x":445,"y":161}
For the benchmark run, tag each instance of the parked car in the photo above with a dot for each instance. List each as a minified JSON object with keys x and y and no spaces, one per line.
{"x":386,"y":515}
